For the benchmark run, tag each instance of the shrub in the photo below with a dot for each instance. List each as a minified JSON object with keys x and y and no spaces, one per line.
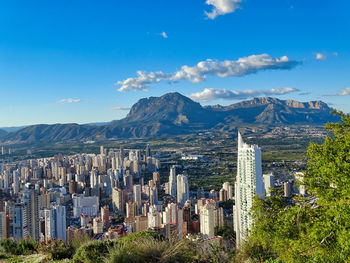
{"x":149,"y":249}
{"x":56,"y":249}
{"x":80,"y":240}
{"x":134,"y":251}
{"x":23,"y":247}
{"x":91,"y":252}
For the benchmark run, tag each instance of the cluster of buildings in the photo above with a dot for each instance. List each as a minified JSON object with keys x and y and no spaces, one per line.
{"x":56,"y":198}
{"x":106,"y":196}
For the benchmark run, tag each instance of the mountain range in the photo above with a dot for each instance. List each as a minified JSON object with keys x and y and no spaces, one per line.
{"x":173,"y":114}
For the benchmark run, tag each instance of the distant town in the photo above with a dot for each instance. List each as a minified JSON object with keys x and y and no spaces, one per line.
{"x":120,"y":191}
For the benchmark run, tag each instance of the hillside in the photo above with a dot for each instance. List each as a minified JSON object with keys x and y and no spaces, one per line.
{"x":2,"y":132}
{"x":174,"y":113}
{"x":52,"y":133}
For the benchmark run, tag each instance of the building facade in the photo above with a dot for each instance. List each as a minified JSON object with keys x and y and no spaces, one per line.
{"x":249,"y":183}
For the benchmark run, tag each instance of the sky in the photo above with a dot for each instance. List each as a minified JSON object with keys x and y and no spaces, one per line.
{"x":82,"y":61}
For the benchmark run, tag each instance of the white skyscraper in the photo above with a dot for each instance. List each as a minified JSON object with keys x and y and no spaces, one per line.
{"x":94,"y":178}
{"x":249,"y":183}
{"x":182,"y":189}
{"x":172,"y":181}
{"x":206,"y":217}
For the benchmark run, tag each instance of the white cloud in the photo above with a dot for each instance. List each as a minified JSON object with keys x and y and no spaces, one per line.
{"x":163,"y":34}
{"x":120,"y":108}
{"x":142,"y":80}
{"x":344,"y":92}
{"x":70,"y":100}
{"x":213,"y":94}
{"x":320,"y":56}
{"x":199,"y":72}
{"x":222,"y":7}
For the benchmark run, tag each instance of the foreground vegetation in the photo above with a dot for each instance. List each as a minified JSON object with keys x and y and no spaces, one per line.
{"x":145,"y":246}
{"x":314,"y":228}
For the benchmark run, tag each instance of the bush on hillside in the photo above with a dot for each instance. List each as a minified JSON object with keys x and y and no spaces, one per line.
{"x":23,"y":247}
{"x":79,"y":240}
{"x":92,"y":252}
{"x":56,"y":249}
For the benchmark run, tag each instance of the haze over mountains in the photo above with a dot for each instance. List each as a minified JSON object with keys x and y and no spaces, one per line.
{"x":173,"y":114}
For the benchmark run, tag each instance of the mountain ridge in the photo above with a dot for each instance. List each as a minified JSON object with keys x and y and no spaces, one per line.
{"x":174,"y":113}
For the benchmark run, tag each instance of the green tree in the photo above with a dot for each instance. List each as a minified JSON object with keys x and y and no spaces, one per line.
{"x":314,"y":228}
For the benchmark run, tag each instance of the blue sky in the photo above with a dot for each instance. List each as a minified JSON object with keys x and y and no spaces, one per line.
{"x":60,"y":60}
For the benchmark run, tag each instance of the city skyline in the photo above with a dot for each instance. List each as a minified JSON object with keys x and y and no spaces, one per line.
{"x":85,"y":58}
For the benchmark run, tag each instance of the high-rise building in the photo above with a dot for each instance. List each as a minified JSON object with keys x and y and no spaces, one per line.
{"x":156,"y":179}
{"x":218,"y":217}
{"x":249,"y":183}
{"x":269,"y":182}
{"x":102,"y":150}
{"x":87,"y":205}
{"x":172,"y":181}
{"x":3,"y":226}
{"x":60,"y":212}
{"x":94,"y":178}
{"x":118,"y":200}
{"x":228,"y":187}
{"x":33,"y":215}
{"x":73,"y":187}
{"x":15,"y":184}
{"x":153,"y":195}
{"x":6,"y":179}
{"x":19,"y":221}
{"x":137,"y":195}
{"x":128,"y":180}
{"x":182,"y":189}
{"x":50,"y":230}
{"x":223,"y":195}
{"x":207,"y":218}
{"x":55,"y":223}
{"x":186,"y":211}
{"x":154,"y":218}
{"x":200,"y":203}
{"x":121,"y":156}
{"x":131,"y":209}
{"x":105,"y":216}
{"x":148,"y":151}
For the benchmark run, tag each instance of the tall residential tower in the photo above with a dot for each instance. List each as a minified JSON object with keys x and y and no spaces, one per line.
{"x":249,"y":183}
{"x":183,"y":193}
